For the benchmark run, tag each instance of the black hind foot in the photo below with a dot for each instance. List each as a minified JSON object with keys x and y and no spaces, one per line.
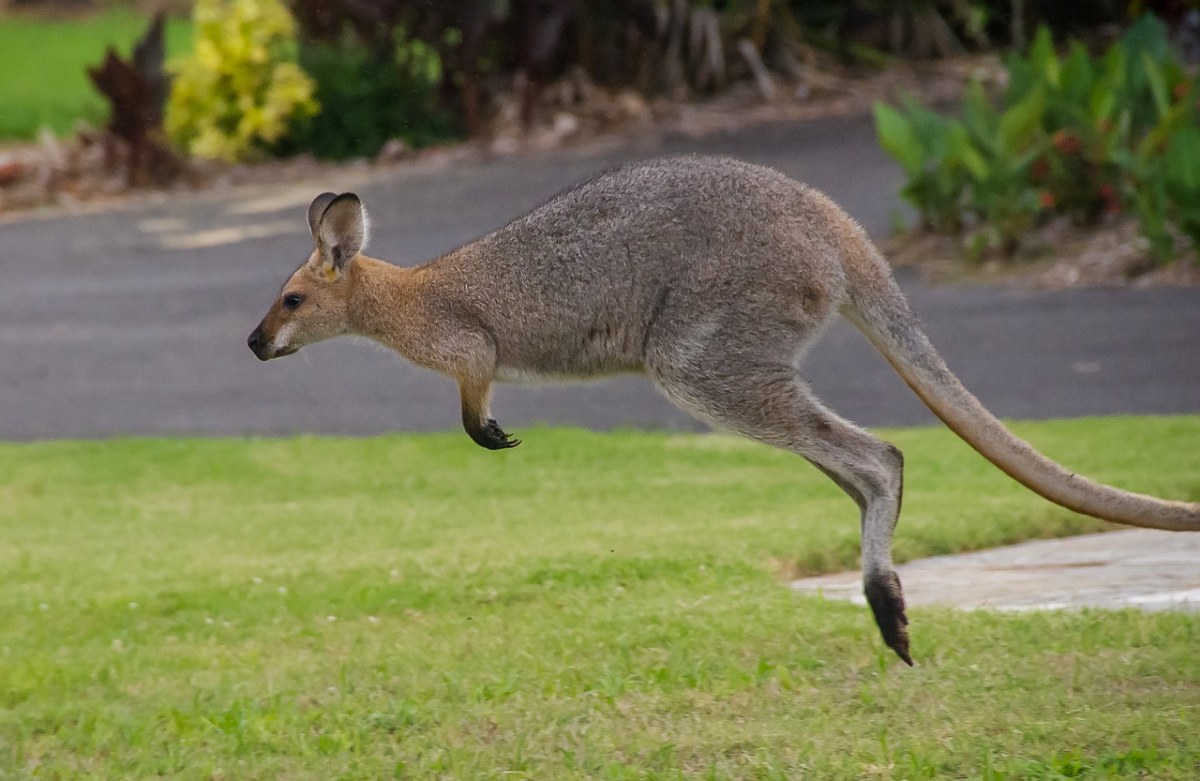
{"x":887,"y":603}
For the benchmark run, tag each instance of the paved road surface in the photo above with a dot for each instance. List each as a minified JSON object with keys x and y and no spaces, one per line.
{"x":134,"y":321}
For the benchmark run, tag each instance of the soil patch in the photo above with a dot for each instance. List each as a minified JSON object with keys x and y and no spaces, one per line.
{"x":1058,"y":255}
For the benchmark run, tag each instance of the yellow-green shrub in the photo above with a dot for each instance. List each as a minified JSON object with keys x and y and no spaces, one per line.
{"x":240,"y":89}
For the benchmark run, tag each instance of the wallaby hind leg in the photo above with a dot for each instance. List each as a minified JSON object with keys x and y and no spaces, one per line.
{"x":768,"y":402}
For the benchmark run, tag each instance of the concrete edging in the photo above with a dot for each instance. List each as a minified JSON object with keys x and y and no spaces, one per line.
{"x":1138,"y":568}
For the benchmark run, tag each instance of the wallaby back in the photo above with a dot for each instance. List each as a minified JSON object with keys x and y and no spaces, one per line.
{"x":577,"y":286}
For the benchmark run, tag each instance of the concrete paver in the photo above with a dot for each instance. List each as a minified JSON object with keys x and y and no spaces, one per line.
{"x":1138,"y":568}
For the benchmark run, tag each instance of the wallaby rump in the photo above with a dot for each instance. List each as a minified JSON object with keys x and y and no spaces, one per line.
{"x":710,"y":276}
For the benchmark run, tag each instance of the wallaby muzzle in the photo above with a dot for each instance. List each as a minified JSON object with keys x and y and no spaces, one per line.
{"x":258,"y":345}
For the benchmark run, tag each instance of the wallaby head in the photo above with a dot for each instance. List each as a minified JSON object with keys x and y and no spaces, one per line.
{"x":314,"y":304}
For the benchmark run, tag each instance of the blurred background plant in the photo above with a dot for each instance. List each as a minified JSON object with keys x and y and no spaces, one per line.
{"x":375,"y":80}
{"x":240,"y":89}
{"x":136,"y":89}
{"x":1077,"y":135}
{"x":441,"y":66}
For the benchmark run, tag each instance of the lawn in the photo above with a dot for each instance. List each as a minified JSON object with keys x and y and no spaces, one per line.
{"x":608,"y":606}
{"x":43,"y":79}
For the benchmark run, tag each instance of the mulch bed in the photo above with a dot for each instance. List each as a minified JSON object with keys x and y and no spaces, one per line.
{"x":1055,"y":256}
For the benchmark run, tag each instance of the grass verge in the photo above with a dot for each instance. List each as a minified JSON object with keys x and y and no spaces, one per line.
{"x":43,"y":78}
{"x":587,"y":606}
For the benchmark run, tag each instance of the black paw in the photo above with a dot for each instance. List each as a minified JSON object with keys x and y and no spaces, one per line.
{"x":492,"y":437}
{"x":887,"y":603}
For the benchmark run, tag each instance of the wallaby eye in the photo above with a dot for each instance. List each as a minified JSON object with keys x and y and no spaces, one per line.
{"x":292,"y":301}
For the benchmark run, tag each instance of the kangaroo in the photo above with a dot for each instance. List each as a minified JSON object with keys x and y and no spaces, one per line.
{"x":712,"y":277}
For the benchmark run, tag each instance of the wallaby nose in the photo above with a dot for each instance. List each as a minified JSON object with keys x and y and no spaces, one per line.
{"x":255,"y":343}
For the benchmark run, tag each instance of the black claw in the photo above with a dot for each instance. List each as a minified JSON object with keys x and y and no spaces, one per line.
{"x":887,"y":603}
{"x":500,"y":436}
{"x":492,"y":437}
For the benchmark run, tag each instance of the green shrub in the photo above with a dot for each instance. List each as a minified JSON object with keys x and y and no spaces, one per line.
{"x":238,"y":91}
{"x":923,"y":142}
{"x":368,"y":98}
{"x":1072,"y":135}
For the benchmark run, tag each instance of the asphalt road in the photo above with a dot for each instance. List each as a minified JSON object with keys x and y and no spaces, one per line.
{"x":133,"y":321}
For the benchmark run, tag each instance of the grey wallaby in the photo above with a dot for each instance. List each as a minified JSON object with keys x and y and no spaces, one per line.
{"x":711,"y":276}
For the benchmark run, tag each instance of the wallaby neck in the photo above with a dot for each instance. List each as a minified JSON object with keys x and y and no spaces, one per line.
{"x":382,"y":295}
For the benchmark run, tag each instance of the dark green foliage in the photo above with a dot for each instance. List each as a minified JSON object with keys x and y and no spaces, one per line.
{"x":940,"y":27}
{"x":1073,"y":135}
{"x":366,"y":100}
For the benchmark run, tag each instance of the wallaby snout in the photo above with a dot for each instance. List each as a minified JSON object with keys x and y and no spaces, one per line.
{"x":265,"y":348}
{"x":257,"y":344}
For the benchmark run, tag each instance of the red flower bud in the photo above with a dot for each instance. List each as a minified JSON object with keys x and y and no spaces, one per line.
{"x":1065,"y":142}
{"x":1039,"y":170}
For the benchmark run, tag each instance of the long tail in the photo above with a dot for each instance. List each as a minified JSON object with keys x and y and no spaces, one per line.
{"x":879,"y":309}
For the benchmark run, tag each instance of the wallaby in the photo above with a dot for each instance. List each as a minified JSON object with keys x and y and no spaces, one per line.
{"x":711,"y":276}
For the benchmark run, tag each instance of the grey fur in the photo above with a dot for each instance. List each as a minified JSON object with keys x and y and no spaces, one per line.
{"x":711,"y":276}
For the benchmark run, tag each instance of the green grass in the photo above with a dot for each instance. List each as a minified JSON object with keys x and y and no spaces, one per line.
{"x":605,"y":606}
{"x":43,"y":78}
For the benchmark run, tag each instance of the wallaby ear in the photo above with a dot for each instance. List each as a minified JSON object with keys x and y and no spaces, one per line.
{"x":341,"y":230}
{"x":316,"y":209}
